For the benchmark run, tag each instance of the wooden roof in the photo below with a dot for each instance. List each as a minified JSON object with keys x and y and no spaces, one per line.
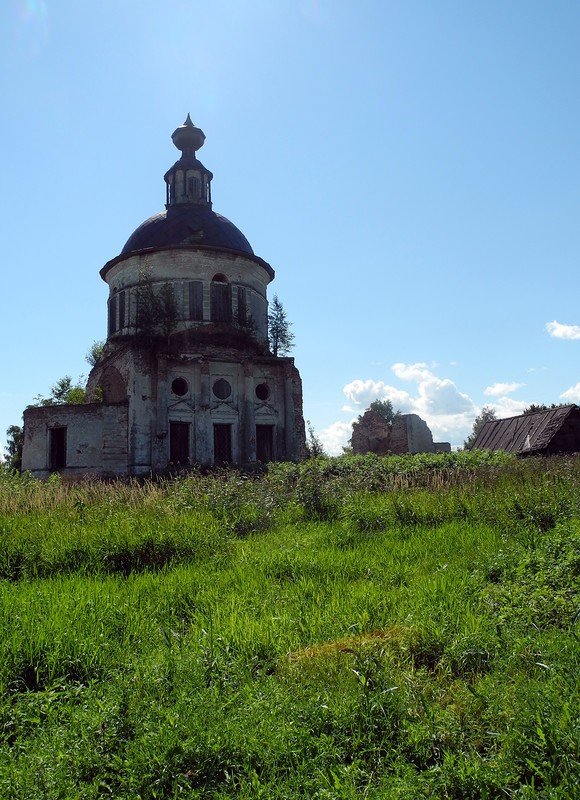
{"x":529,"y":433}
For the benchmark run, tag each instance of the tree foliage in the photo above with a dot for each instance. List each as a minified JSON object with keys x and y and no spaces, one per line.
{"x":157,"y":312}
{"x":13,"y":447}
{"x":487,"y":414}
{"x":280,"y":336}
{"x":534,"y":407}
{"x":95,"y":353}
{"x":314,"y":447}
{"x":384,"y":408}
{"x":63,"y":392}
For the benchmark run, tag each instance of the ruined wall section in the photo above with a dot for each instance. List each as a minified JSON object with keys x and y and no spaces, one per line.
{"x":419,"y":437}
{"x":95,"y":439}
{"x":372,"y":434}
{"x":408,"y":433}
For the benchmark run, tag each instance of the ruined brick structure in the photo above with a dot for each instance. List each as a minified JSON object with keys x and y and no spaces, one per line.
{"x":408,"y":433}
{"x":186,"y":376}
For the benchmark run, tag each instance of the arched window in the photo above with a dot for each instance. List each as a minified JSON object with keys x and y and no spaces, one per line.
{"x":242,"y":313}
{"x":193,"y":187}
{"x":113,"y":385}
{"x":196,"y":300}
{"x":121,"y":310}
{"x":221,"y":299}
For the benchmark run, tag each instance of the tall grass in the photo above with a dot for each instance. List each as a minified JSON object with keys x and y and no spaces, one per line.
{"x":344,"y":628}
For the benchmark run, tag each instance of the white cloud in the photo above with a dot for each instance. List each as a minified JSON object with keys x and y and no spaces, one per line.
{"x":560,"y":331}
{"x":508,"y":407}
{"x":448,"y":412}
{"x":335,"y":437}
{"x":572,"y":394}
{"x":500,"y":389}
{"x":412,"y":372}
{"x":362,"y":393}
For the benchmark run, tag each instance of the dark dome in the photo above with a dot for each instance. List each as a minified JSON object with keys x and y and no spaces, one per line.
{"x":187,"y":224}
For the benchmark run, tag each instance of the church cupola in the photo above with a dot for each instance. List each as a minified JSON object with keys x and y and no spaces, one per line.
{"x":188,"y":181}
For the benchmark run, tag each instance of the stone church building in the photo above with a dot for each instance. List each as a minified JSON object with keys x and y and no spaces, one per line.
{"x":186,"y":376}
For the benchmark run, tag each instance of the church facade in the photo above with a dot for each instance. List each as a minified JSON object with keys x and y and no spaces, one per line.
{"x":186,"y":375}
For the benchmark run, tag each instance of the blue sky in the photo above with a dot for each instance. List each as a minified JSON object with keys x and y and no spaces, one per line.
{"x":410,"y":169}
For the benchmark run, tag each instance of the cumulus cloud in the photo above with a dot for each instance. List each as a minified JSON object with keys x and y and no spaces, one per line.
{"x":412,"y":372}
{"x":362,"y":393}
{"x":448,"y":412}
{"x":572,"y":394}
{"x":557,"y":330}
{"x":508,"y":407}
{"x":500,"y":389}
{"x":335,"y":437}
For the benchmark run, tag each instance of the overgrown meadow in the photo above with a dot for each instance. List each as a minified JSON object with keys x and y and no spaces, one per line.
{"x":360,"y":627}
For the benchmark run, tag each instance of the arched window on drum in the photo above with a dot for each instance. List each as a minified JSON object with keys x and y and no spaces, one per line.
{"x":221,"y":299}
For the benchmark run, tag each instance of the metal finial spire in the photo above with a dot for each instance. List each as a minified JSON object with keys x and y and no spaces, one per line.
{"x":188,"y":138}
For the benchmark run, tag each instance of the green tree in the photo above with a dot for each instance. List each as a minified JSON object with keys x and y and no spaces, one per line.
{"x":534,"y":407}
{"x":95,"y":353}
{"x":384,"y":408}
{"x":280,"y":336}
{"x":167,"y":310}
{"x":157,"y":312}
{"x":487,"y":414}
{"x":64,"y":392}
{"x":13,"y":447}
{"x":314,"y":447}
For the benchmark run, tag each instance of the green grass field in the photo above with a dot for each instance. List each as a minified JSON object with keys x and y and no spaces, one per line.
{"x":402,"y":627}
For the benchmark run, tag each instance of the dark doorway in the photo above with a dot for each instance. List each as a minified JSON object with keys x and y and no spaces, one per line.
{"x":222,"y":444}
{"x":264,"y":442}
{"x":179,"y":442}
{"x":57,"y":447}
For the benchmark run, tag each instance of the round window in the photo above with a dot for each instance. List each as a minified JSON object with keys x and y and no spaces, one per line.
{"x":222,"y":389}
{"x":179,"y":387}
{"x":262,"y":391}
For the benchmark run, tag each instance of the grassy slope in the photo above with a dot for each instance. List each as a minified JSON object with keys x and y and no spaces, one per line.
{"x":350,"y":628}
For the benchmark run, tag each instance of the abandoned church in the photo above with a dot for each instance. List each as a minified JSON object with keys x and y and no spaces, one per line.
{"x":186,"y":375}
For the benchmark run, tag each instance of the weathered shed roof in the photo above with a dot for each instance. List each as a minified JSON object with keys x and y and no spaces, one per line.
{"x":526,"y":434}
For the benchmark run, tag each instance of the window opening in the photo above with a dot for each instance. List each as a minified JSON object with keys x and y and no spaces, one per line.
{"x":242,"y":307}
{"x":262,"y":391}
{"x":112,"y":314}
{"x":179,"y":442}
{"x":179,"y":387}
{"x":264,"y":443}
{"x":196,"y":300}
{"x":222,"y":443}
{"x":57,"y":448}
{"x":222,"y":389}
{"x":221,"y":302}
{"x":121,"y":310}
